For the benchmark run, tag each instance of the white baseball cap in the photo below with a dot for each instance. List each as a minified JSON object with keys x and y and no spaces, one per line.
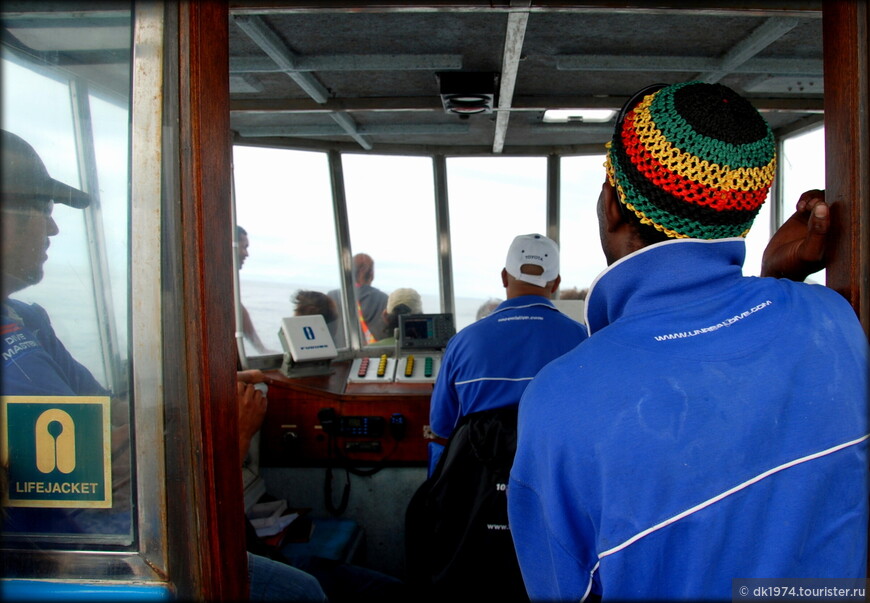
{"x":406,"y":296}
{"x":533,"y":249}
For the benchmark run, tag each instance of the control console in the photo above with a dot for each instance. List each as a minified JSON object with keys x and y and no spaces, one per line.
{"x":412,"y":368}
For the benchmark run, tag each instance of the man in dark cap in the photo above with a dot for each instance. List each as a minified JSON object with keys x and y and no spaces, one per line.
{"x":713,"y":426}
{"x":35,"y":362}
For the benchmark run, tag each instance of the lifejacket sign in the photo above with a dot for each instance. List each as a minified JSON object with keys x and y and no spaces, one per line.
{"x":58,"y":451}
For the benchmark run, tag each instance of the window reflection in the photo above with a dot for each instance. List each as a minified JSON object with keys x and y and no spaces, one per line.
{"x":66,"y":409}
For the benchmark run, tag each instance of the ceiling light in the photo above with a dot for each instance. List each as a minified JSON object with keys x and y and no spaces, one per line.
{"x":467,"y":92}
{"x":594,"y":116}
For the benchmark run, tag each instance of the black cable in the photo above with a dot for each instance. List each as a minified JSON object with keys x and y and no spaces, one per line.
{"x":333,"y":452}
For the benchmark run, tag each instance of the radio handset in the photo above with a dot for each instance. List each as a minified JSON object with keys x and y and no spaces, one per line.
{"x":328,"y":422}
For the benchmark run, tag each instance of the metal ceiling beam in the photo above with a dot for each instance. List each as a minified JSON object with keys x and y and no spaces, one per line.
{"x":762,"y":37}
{"x":304,"y":105}
{"x":325,"y":130}
{"x":802,"y":8}
{"x":600,"y":62}
{"x":350,"y":127}
{"x":245,"y":84}
{"x":286,"y":59}
{"x":520,"y":103}
{"x":513,"y":48}
{"x":352,"y":62}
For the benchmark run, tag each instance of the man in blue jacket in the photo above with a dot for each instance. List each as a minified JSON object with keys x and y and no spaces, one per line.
{"x":457,"y":534}
{"x":714,"y":426}
{"x":35,"y":362}
{"x":489,"y":363}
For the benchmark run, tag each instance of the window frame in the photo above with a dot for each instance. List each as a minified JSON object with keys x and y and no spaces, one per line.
{"x":145,"y":560}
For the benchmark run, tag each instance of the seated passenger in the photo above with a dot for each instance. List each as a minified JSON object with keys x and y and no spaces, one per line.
{"x":270,"y":580}
{"x":272,"y":576}
{"x":307,"y":303}
{"x":401,"y":301}
{"x":35,"y":361}
{"x":487,"y":307}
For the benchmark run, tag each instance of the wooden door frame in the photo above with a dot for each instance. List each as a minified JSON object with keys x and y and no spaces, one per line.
{"x":845,"y":25}
{"x":207,"y":536}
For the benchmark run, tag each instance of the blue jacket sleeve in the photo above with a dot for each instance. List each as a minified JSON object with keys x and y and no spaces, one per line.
{"x":552,"y":530}
{"x":444,"y":402}
{"x":549,"y":572}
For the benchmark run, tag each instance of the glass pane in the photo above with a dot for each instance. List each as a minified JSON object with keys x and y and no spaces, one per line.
{"x":66,"y":404}
{"x":803,"y":166}
{"x":284,"y":203}
{"x":580,"y":244}
{"x":757,"y":239}
{"x":391,"y":217}
{"x":113,"y":176}
{"x":492,"y":200}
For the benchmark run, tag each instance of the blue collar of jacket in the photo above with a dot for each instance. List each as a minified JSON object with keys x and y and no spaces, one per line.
{"x":524,"y":301}
{"x":664,"y":275}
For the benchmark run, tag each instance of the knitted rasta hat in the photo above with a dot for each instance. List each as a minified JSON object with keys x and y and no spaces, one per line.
{"x":693,"y":160}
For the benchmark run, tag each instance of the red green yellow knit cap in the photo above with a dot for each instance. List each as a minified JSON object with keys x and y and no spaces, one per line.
{"x":693,"y":160}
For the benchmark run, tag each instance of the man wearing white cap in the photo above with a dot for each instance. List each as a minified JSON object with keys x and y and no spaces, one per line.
{"x":489,"y":363}
{"x":457,"y":529}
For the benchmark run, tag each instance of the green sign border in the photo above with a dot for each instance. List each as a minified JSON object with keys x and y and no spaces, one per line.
{"x":106,"y":453}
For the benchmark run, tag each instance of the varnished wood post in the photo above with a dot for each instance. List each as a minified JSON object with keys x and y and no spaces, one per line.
{"x":206,"y":227}
{"x":847,"y":148}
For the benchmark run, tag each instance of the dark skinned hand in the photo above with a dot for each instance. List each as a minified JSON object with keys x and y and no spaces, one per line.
{"x":797,"y":248}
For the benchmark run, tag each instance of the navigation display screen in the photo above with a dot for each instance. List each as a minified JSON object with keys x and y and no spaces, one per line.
{"x":420,"y":328}
{"x":425,"y":331}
